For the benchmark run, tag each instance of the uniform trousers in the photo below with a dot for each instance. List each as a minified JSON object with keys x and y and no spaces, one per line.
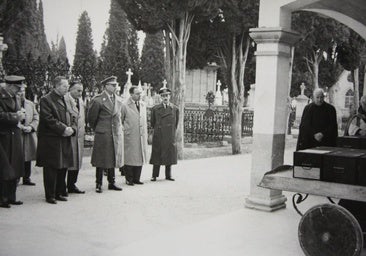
{"x":99,"y":175}
{"x":54,"y":182}
{"x":156,"y":171}
{"x":8,"y":190}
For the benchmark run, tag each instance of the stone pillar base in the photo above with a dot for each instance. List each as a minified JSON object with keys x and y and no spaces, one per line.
{"x":270,"y":204}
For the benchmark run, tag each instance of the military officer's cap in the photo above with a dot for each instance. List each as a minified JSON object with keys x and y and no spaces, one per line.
{"x":109,"y":80}
{"x":16,"y":80}
{"x":164,"y":90}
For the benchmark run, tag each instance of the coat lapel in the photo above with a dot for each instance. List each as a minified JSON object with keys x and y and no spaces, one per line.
{"x":107,"y":102}
{"x":132,"y":105}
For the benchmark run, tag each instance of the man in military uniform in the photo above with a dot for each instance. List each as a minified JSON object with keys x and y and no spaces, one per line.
{"x":104,"y":116}
{"x":54,"y":152}
{"x":164,"y":121}
{"x":11,"y":152}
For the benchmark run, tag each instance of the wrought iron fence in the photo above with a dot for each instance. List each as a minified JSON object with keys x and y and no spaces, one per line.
{"x":200,"y":127}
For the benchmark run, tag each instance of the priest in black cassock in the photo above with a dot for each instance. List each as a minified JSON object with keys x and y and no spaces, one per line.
{"x":318,"y":125}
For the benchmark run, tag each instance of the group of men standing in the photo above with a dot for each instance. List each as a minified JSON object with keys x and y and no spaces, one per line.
{"x":120,"y":137}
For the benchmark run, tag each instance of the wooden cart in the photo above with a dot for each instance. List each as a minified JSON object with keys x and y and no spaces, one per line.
{"x":326,"y":229}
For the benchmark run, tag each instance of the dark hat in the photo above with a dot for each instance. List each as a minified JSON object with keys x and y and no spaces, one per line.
{"x":110,"y":80}
{"x":16,"y":80}
{"x":164,"y":90}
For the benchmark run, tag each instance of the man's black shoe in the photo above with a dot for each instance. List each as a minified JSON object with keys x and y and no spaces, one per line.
{"x":153,"y":179}
{"x":129,"y":183}
{"x":138,"y":182}
{"x":28,"y":182}
{"x":99,"y":189}
{"x":51,"y":201}
{"x":5,"y":205}
{"x":16,"y":202}
{"x":75,"y":190}
{"x":61,"y":198}
{"x":114,"y":187}
{"x":171,"y":179}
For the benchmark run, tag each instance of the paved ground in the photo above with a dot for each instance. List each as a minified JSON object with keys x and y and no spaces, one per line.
{"x":201,"y":213}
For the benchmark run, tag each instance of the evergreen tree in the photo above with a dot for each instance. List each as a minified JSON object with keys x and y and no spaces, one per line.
{"x":42,"y":40}
{"x":84,"y":65}
{"x":115,"y":58}
{"x":152,"y":60}
{"x":61,"y":50}
{"x":133,"y":52}
{"x":21,"y":23}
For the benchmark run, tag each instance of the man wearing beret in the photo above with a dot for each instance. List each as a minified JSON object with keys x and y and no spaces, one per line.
{"x":164,"y":121}
{"x":54,"y":152}
{"x":11,"y":152}
{"x":104,"y":116}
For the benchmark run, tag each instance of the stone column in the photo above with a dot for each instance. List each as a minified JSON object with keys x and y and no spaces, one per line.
{"x":270,"y":111}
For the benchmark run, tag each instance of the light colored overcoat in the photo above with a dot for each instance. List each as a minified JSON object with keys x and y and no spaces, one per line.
{"x":78,"y":124}
{"x":135,"y":133}
{"x":30,"y":139}
{"x":105,"y":119}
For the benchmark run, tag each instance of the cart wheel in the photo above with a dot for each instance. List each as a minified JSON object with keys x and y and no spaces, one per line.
{"x":330,"y":230}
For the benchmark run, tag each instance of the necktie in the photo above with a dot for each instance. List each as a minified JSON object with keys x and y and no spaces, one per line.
{"x":77,"y":104}
{"x":137,"y":106}
{"x":112,"y":99}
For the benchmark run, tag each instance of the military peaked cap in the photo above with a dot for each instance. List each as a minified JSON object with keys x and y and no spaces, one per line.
{"x":16,"y":80}
{"x":164,"y":90}
{"x":110,"y":80}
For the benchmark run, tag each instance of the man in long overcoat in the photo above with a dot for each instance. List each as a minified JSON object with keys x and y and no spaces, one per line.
{"x":318,"y":126}
{"x":29,"y":128}
{"x":54,"y":152}
{"x":11,"y":151}
{"x":135,"y":136}
{"x":75,"y":106}
{"x":104,"y":116}
{"x":164,"y":121}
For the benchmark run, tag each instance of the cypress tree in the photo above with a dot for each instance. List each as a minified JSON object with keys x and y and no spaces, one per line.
{"x":134,"y":53}
{"x":152,"y":60}
{"x":115,"y":56}
{"x":84,"y":60}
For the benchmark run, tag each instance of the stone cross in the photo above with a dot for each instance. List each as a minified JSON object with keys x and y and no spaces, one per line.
{"x":129,"y":73}
{"x":164,"y":83}
{"x":218,"y":95}
{"x":302,"y":87}
{"x":218,"y":85}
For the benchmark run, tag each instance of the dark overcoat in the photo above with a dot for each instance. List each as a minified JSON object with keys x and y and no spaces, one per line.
{"x":105,"y":119}
{"x":164,"y":121}
{"x":316,"y":119}
{"x":11,"y":152}
{"x":54,"y":150}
